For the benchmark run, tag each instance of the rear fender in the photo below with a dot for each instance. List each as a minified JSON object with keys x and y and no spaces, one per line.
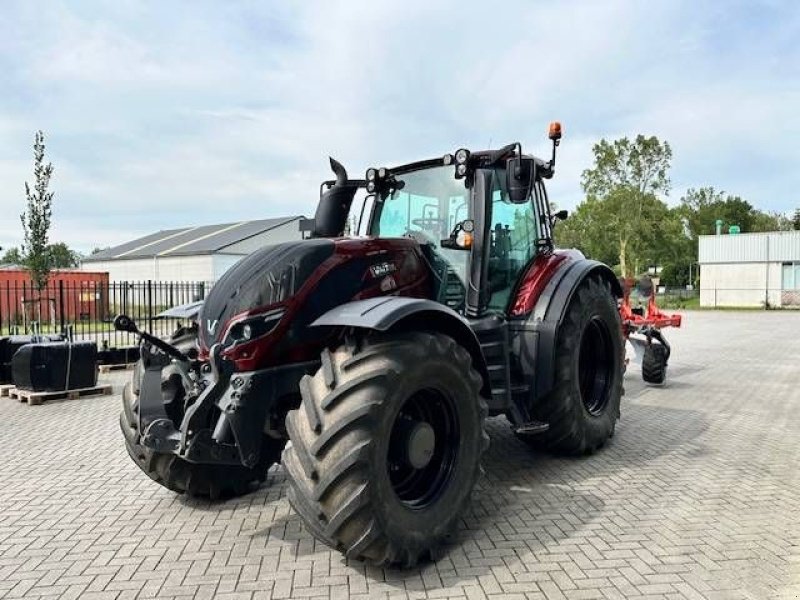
{"x":409,"y":314}
{"x":539,"y":331}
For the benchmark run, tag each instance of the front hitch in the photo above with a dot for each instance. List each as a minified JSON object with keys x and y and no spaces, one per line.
{"x":193,"y":441}
{"x":223,"y":425}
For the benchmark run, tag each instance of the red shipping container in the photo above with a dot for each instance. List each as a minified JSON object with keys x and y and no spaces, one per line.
{"x":69,"y":296}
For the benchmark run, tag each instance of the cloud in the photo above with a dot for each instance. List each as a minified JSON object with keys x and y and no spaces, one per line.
{"x":162,"y":115}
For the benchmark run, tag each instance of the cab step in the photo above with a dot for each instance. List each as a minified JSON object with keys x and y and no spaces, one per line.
{"x":532,"y":428}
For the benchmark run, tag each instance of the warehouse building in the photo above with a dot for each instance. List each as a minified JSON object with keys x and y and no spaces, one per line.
{"x":750,"y":269}
{"x":191,"y":254}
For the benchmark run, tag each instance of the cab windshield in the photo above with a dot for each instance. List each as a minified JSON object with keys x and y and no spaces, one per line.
{"x":426,"y":205}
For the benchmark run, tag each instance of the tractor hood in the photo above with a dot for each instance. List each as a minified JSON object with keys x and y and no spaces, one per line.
{"x":268,"y":276}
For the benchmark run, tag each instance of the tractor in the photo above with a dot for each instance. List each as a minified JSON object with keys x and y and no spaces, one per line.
{"x":368,"y":364}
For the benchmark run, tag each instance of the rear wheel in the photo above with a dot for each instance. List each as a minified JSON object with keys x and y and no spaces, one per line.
{"x":171,"y":471}
{"x":385,"y":448}
{"x":584,"y":405}
{"x":654,"y":364}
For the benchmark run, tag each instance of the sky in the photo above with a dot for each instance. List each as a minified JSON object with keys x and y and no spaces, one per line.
{"x":167,"y":114}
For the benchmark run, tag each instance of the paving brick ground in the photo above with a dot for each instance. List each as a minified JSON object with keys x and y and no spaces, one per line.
{"x":698,"y":496}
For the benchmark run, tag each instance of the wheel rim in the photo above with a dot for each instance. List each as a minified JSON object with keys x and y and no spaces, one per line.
{"x":423,"y":448}
{"x":595,"y":366}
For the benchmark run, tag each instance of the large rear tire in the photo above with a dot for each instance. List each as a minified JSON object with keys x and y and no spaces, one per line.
{"x":386,"y":446}
{"x":175,"y":473}
{"x":584,"y":404}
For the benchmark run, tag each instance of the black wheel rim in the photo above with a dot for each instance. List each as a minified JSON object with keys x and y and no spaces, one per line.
{"x":595,"y":366}
{"x":433,"y":410}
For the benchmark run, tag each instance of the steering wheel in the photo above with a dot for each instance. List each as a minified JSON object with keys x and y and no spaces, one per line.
{"x":428,"y":223}
{"x":422,"y":237}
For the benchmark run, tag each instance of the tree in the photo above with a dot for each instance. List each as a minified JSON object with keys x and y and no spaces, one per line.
{"x":36,"y":218}
{"x":796,"y":219}
{"x":704,"y":206}
{"x":12,"y":256}
{"x":626,"y":178}
{"x":660,"y":240}
{"x":62,"y":257}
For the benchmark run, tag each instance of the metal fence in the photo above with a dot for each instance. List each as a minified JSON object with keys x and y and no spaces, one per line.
{"x":87,"y":309}
{"x":729,"y":297}
{"x":761,"y":297}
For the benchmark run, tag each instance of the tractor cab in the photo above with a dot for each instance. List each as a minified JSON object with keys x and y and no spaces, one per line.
{"x":480,"y":218}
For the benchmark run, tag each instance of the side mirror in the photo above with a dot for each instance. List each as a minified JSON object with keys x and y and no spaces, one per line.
{"x":520,"y":176}
{"x":561,"y":215}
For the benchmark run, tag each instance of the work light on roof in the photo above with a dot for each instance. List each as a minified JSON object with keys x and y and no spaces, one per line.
{"x":371,"y":174}
{"x":462,"y":156}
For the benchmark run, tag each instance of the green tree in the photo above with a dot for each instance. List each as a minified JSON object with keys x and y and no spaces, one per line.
{"x":660,"y":239}
{"x":796,"y":220}
{"x":702,"y":207}
{"x":586,"y":230}
{"x":771,"y":221}
{"x":624,"y":183}
{"x":12,"y":256}
{"x":62,"y":257}
{"x":36,"y":218}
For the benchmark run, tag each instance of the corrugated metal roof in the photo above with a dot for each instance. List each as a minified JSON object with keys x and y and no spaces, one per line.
{"x":134,"y":245}
{"x":776,"y":246}
{"x":205,"y":239}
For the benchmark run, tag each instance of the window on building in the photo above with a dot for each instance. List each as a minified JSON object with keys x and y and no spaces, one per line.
{"x":791,"y":276}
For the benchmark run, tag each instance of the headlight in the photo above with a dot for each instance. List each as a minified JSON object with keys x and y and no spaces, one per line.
{"x":462,"y":156}
{"x":461,"y":170}
{"x":253,"y":327}
{"x":371,"y":174}
{"x":371,"y":187}
{"x":381,"y":172}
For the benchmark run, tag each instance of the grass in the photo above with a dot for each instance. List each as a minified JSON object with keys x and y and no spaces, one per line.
{"x":675,"y":303}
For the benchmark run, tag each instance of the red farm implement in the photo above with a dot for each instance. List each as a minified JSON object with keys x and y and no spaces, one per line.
{"x":642,"y":325}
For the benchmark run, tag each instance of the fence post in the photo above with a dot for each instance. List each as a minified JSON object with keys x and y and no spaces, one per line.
{"x":149,"y":305}
{"x":61,"y":305}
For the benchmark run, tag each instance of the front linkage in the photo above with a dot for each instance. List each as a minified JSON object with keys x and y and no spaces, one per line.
{"x":217,"y":418}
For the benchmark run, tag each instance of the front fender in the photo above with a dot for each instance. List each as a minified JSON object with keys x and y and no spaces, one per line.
{"x":409,"y":314}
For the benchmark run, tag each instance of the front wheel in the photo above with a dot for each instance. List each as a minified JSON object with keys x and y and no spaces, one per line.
{"x":584,"y":404}
{"x":386,"y":446}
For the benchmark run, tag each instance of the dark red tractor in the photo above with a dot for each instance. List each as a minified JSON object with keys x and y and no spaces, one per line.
{"x":369,"y":364}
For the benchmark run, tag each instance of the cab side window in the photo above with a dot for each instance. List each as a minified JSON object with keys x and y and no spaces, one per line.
{"x":512,"y":244}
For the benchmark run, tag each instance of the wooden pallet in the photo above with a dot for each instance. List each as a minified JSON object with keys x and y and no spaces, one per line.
{"x":5,"y":388}
{"x":34,"y":398}
{"x":120,"y":367}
